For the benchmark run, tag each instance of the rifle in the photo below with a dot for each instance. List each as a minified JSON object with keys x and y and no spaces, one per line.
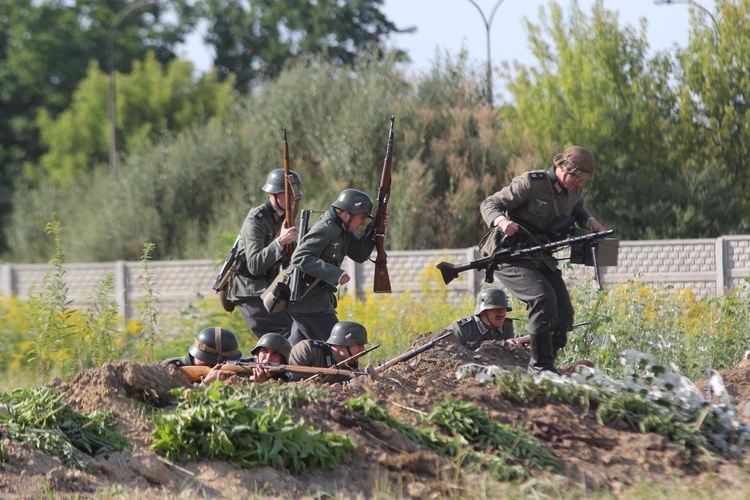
{"x":245,"y":368}
{"x":489,"y":264}
{"x":294,"y":282}
{"x":291,"y":199}
{"x":340,"y":364}
{"x":410,"y":354}
{"x":382,"y":283}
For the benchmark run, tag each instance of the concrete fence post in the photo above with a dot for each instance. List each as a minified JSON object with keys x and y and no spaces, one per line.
{"x":121,"y":291}
{"x":6,"y":280}
{"x":722,"y":279}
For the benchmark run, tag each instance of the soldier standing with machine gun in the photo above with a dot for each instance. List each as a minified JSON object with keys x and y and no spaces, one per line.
{"x":543,"y":205}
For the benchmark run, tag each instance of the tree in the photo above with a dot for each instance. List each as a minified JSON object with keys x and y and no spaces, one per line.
{"x":254,"y":40}
{"x":715,"y":104}
{"x":151,"y":102}
{"x":45,"y":48}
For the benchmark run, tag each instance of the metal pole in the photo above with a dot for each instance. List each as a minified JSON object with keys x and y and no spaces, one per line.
{"x":111,"y":108}
{"x":694,"y":4}
{"x":487,"y":27}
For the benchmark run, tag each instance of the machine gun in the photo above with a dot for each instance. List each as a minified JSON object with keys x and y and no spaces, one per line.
{"x":382,"y":282}
{"x":410,"y":354}
{"x":585,"y":251}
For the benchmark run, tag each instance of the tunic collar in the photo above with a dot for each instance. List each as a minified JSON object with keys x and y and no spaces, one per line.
{"x":276,"y":216}
{"x":555,"y":183}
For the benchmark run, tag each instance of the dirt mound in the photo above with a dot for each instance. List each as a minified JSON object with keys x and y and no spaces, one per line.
{"x":384,"y":462}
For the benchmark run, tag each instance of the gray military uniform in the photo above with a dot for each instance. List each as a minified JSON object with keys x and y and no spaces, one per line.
{"x":314,"y":353}
{"x":471,"y":332}
{"x":536,"y":198}
{"x":259,"y":259}
{"x":319,"y":256}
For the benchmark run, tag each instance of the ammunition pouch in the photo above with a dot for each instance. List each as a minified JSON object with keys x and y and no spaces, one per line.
{"x":276,"y":296}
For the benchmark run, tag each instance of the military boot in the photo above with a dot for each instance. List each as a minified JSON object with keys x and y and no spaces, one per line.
{"x":542,"y":357}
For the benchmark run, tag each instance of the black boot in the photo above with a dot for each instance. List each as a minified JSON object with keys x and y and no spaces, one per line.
{"x":559,"y":340}
{"x":542,"y":357}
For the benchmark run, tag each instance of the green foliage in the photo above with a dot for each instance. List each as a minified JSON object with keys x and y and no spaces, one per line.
{"x":222,"y":422}
{"x":670,"y":324}
{"x":506,"y":452}
{"x":474,"y":425}
{"x":45,"y":48}
{"x":49,"y":311}
{"x":149,"y":310}
{"x":40,"y":417}
{"x":256,"y":40}
{"x":99,"y":328}
{"x":151,"y":102}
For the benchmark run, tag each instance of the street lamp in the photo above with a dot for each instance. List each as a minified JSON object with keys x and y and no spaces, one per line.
{"x":487,"y":26}
{"x":694,"y":4}
{"x":111,"y":109}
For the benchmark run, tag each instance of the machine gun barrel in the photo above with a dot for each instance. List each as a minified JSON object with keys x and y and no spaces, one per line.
{"x":451,"y":271}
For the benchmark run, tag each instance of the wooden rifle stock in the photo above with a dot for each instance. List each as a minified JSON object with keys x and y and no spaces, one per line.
{"x":451,"y":271}
{"x":382,"y":281}
{"x":196,"y":373}
{"x":526,"y":339}
{"x":290,"y":199}
{"x":410,"y":354}
{"x":340,"y":364}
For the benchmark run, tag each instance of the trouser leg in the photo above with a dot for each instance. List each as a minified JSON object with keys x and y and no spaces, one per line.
{"x":260,"y":321}
{"x":565,"y":311}
{"x":539,"y":290}
{"x":312,"y":326}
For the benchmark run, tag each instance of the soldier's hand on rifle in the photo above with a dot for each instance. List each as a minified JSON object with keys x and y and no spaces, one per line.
{"x":344,"y":279}
{"x":505,"y":225}
{"x":260,"y":374}
{"x":287,"y":236}
{"x":217,"y":373}
{"x":594,"y":226}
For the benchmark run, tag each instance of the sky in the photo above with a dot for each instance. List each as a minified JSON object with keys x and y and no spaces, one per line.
{"x":454,"y":24}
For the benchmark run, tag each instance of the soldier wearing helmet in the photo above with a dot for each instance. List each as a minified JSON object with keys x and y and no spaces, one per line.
{"x":535,"y":203}
{"x":347,"y":339}
{"x":320,"y":255}
{"x":489,"y":321}
{"x":260,"y":256}
{"x":271,"y":348}
{"x":212,"y":347}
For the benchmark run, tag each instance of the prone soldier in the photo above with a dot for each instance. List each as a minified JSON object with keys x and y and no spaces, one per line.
{"x":347,"y":339}
{"x":489,"y":321}
{"x":211,"y":348}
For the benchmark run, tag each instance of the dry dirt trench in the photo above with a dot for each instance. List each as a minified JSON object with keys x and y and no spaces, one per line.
{"x":592,"y":458}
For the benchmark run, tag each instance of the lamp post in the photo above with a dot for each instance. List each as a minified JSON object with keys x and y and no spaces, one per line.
{"x":488,"y":26}
{"x":111,"y":108}
{"x":694,"y":4}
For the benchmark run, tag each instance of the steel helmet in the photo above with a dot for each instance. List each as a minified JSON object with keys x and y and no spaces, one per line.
{"x":348,"y":333}
{"x":275,"y":182}
{"x":492,"y":298}
{"x":276,"y":342}
{"x":577,"y":161}
{"x":215,"y":345}
{"x":355,"y":202}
